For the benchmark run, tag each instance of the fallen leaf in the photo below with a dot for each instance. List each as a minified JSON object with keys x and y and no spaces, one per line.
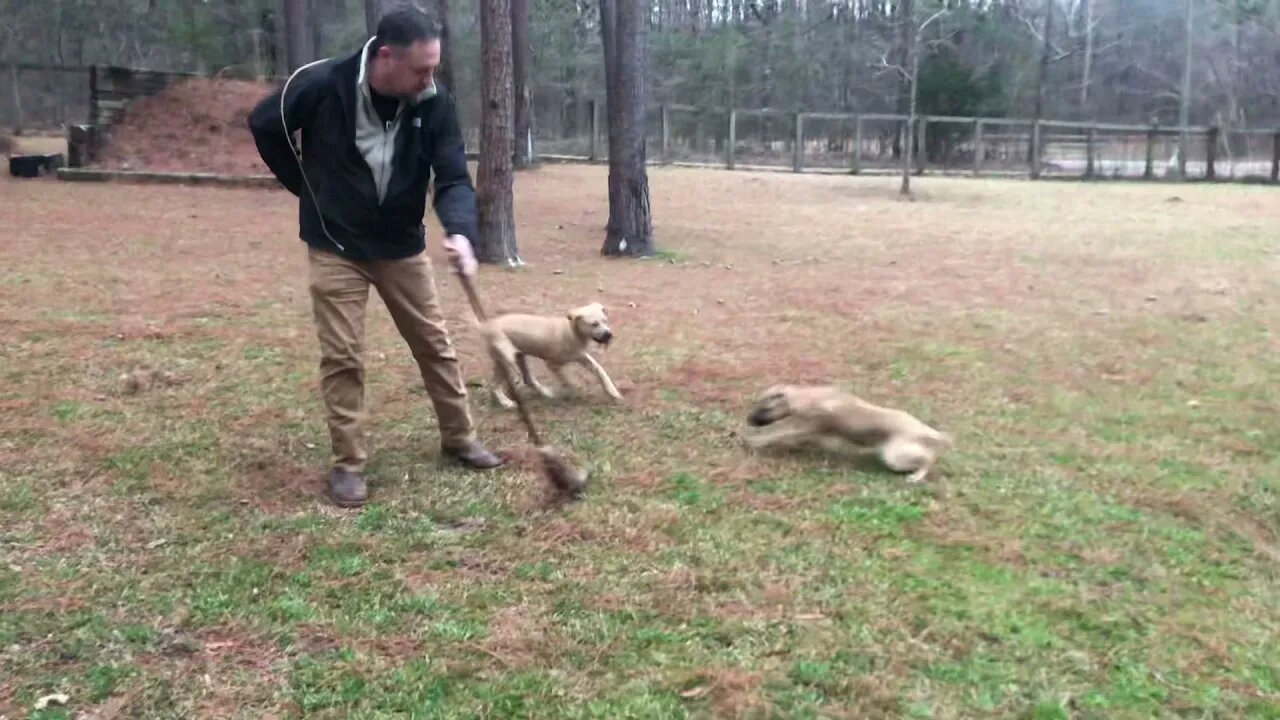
{"x":696,"y":692}
{"x":55,"y":699}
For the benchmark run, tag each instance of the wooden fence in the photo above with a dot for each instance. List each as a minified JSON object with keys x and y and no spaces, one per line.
{"x":827,"y":142}
{"x":1044,"y":148}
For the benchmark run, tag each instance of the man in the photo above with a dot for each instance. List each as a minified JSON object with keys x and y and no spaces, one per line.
{"x":375,"y":126}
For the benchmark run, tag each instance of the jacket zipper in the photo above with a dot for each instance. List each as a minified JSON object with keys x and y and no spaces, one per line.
{"x":386,"y":169}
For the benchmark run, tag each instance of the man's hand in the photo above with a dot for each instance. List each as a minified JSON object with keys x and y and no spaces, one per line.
{"x":461,"y":256}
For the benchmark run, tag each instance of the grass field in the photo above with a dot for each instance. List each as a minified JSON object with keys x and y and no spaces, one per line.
{"x":1104,"y":541}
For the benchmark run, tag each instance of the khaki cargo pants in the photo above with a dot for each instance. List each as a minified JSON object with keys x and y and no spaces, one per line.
{"x":339,"y":295}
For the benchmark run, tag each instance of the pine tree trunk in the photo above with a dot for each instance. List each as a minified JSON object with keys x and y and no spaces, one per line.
{"x":912,"y":41}
{"x":906,"y":38}
{"x":608,"y":37}
{"x":372,"y":13}
{"x":522,"y":52}
{"x":1184,"y":100}
{"x":630,"y":228}
{"x":297,"y":37}
{"x":497,"y":241}
{"x":1087,"y":72}
{"x":1037,"y":115}
{"x":444,"y":74}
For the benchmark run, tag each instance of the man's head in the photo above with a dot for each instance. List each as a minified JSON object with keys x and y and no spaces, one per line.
{"x":405,"y":53}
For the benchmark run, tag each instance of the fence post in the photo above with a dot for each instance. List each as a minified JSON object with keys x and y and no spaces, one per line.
{"x":1211,"y":154}
{"x":1090,"y":150}
{"x":733,"y":138}
{"x":94,"y":118}
{"x":1035,"y":149}
{"x":593,"y":155}
{"x":666,"y":135}
{"x":1275,"y":157}
{"x":979,"y":147}
{"x":857,"y":144}
{"x":797,"y":155}
{"x":1149,"y":171}
{"x":16,"y":79}
{"x":922,"y":152}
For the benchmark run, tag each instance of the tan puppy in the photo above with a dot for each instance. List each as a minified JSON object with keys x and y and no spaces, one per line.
{"x":789,"y":415}
{"x":557,"y":341}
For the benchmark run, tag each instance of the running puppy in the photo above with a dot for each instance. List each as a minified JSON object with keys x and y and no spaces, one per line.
{"x":557,"y":341}
{"x":787,"y":415}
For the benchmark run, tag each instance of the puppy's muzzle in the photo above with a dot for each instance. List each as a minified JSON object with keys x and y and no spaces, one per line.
{"x":604,"y":338}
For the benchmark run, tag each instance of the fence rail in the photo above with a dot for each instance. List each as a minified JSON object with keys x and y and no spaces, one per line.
{"x":778,"y":138}
{"x":873,"y":143}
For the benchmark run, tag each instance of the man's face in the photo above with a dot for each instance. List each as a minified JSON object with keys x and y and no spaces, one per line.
{"x":406,"y":72}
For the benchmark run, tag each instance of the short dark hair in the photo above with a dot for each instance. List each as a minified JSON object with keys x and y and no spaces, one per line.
{"x":404,"y":26}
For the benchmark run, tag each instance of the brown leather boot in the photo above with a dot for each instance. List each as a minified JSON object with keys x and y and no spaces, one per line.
{"x":473,"y":455}
{"x":347,"y":489}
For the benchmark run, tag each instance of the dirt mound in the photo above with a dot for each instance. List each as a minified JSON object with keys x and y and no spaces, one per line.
{"x":193,"y":125}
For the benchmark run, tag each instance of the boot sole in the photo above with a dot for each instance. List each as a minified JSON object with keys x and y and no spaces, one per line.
{"x":475,"y":466}
{"x":345,"y":503}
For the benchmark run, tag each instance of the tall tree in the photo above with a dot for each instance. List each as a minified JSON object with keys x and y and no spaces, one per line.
{"x":372,"y":14}
{"x":624,"y":24}
{"x":1046,"y":47}
{"x":495,"y":202}
{"x":298,"y":34}
{"x":522,"y":61}
{"x":1184,"y":100}
{"x":1086,"y":73}
{"x":447,"y":54}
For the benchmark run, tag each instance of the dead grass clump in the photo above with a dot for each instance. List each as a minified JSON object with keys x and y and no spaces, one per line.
{"x":730,"y":691}
{"x":517,"y":635}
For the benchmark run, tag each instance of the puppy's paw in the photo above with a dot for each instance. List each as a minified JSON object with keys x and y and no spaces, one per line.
{"x":920,"y":475}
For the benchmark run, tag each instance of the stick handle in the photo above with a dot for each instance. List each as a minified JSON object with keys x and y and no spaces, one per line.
{"x":469,"y":286}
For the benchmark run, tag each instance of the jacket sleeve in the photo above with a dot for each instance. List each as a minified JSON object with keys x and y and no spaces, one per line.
{"x":275,"y":146}
{"x":455,"y":195}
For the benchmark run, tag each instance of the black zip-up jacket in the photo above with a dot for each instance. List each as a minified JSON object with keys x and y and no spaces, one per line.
{"x":321,"y":102}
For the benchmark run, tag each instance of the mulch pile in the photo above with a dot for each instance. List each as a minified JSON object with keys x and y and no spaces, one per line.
{"x":193,"y":125}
